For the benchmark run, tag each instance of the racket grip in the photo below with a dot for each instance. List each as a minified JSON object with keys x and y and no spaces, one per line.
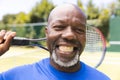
{"x":20,"y":41}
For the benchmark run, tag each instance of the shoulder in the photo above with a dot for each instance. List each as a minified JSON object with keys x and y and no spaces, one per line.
{"x":93,"y":73}
{"x":24,"y":71}
{"x":16,"y":72}
{"x":29,"y":67}
{"x":43,"y":62}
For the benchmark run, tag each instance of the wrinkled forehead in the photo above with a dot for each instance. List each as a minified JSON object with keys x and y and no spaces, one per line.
{"x":67,"y":10}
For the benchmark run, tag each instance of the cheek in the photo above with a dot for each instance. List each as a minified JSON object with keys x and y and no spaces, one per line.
{"x":52,"y":37}
{"x":52,"y":33}
{"x":82,"y":40}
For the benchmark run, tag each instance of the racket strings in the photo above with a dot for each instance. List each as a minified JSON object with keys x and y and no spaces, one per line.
{"x":93,"y":40}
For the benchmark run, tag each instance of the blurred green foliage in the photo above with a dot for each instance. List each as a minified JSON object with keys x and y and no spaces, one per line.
{"x":38,"y":14}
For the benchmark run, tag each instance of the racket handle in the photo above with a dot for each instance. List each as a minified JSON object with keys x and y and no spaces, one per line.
{"x":20,"y":41}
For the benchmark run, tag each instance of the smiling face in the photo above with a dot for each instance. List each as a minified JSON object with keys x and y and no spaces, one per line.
{"x":66,"y":35}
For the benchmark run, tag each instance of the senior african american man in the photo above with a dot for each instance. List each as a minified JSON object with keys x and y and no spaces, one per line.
{"x":66,"y":36}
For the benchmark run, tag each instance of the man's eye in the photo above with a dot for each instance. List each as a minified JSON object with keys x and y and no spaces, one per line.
{"x":80,"y":31}
{"x":58,"y":28}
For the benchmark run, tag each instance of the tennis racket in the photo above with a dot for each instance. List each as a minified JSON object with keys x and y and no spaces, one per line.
{"x":95,"y":49}
{"x":93,"y":54}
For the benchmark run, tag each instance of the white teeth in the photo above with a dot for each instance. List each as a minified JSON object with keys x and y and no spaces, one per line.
{"x":66,"y":48}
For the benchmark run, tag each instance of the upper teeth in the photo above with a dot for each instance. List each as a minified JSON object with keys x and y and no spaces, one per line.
{"x":66,"y":48}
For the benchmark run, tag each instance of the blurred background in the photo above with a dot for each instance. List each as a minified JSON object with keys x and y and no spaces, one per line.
{"x":29,"y":18}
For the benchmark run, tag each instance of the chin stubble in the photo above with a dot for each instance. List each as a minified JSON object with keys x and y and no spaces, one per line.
{"x":65,"y":64}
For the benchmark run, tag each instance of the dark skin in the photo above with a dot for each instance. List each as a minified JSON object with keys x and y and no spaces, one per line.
{"x":5,"y":39}
{"x":66,"y":27}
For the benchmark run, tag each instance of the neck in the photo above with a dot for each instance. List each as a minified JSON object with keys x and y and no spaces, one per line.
{"x":74,"y":68}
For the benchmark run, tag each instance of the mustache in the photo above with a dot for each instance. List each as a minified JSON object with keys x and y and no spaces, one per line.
{"x":72,"y":41}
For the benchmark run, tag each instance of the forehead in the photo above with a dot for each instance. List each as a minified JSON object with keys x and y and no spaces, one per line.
{"x":67,"y":14}
{"x":67,"y":21}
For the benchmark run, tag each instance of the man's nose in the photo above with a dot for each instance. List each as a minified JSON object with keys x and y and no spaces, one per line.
{"x":68,"y":34}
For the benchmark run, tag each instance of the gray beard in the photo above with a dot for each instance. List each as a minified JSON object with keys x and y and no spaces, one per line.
{"x":64,"y":64}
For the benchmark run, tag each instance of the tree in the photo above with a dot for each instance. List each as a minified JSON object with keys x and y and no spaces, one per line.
{"x":104,"y":22}
{"x":80,"y":4}
{"x":22,"y":18}
{"x":112,"y":8}
{"x":2,"y":26}
{"x":41,"y":11}
{"x":92,"y":11}
{"x":9,"y":18}
{"x":117,"y":11}
{"x":19,"y":18}
{"x":40,"y":14}
{"x":115,"y":8}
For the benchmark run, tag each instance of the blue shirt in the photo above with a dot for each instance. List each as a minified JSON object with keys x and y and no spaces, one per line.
{"x":44,"y":71}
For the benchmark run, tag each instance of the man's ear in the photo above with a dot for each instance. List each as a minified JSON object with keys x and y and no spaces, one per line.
{"x":46,"y":31}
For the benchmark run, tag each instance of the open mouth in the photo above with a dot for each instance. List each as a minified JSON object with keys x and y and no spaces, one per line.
{"x":65,"y":49}
{"x":66,"y":54}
